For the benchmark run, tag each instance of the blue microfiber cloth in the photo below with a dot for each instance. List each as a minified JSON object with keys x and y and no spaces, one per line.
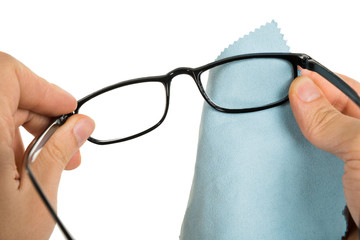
{"x":256,"y":176}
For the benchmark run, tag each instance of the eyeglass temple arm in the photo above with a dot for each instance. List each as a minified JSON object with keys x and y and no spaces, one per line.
{"x":313,"y":65}
{"x":40,"y":142}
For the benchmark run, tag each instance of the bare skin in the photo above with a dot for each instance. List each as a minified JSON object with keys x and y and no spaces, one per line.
{"x":29,"y":101}
{"x":326,"y":118}
{"x":330,"y":121}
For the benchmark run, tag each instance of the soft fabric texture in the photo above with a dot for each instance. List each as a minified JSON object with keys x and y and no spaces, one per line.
{"x":256,"y":176}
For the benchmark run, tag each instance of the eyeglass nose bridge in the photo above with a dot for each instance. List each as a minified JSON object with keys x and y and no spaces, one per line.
{"x":192,"y":72}
{"x":182,"y":70}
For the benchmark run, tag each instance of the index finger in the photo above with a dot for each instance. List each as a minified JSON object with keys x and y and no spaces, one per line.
{"x":338,"y":99}
{"x":21,"y":88}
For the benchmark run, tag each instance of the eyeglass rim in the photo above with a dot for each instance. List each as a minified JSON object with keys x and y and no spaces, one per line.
{"x":164,"y":79}
{"x":297,"y":59}
{"x":195,"y":73}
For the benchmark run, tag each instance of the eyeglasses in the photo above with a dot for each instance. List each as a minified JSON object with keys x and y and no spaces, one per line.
{"x":140,"y":105}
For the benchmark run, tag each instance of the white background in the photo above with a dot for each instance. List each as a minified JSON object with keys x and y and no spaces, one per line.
{"x":139,"y":189}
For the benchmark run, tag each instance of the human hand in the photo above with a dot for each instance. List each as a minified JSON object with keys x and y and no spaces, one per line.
{"x":330,"y":121}
{"x":29,"y":101}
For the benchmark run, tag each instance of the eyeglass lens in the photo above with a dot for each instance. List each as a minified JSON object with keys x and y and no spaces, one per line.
{"x":126,"y":111}
{"x":132,"y":109}
{"x":237,"y":83}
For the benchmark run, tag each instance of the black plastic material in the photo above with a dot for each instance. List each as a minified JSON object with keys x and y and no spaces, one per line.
{"x":296,"y":59}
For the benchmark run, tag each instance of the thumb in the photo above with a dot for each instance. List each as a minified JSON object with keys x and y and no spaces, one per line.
{"x":330,"y":130}
{"x":57,"y":152}
{"x":321,"y":123}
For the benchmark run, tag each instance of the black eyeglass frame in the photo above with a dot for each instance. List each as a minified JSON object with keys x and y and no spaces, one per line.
{"x":296,"y":59}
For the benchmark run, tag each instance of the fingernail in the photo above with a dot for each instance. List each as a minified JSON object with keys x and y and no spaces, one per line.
{"x":83,"y":129}
{"x":306,"y":90}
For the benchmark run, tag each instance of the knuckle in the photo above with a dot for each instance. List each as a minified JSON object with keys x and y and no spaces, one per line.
{"x":56,"y":154}
{"x":352,"y":165}
{"x":5,"y":59}
{"x":320,"y":122}
{"x":8,"y":65}
{"x":3,"y":55}
{"x":351,"y":177}
{"x":348,"y":149}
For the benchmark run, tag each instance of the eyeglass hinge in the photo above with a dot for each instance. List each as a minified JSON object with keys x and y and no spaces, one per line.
{"x":62,"y":119}
{"x":304,"y":61}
